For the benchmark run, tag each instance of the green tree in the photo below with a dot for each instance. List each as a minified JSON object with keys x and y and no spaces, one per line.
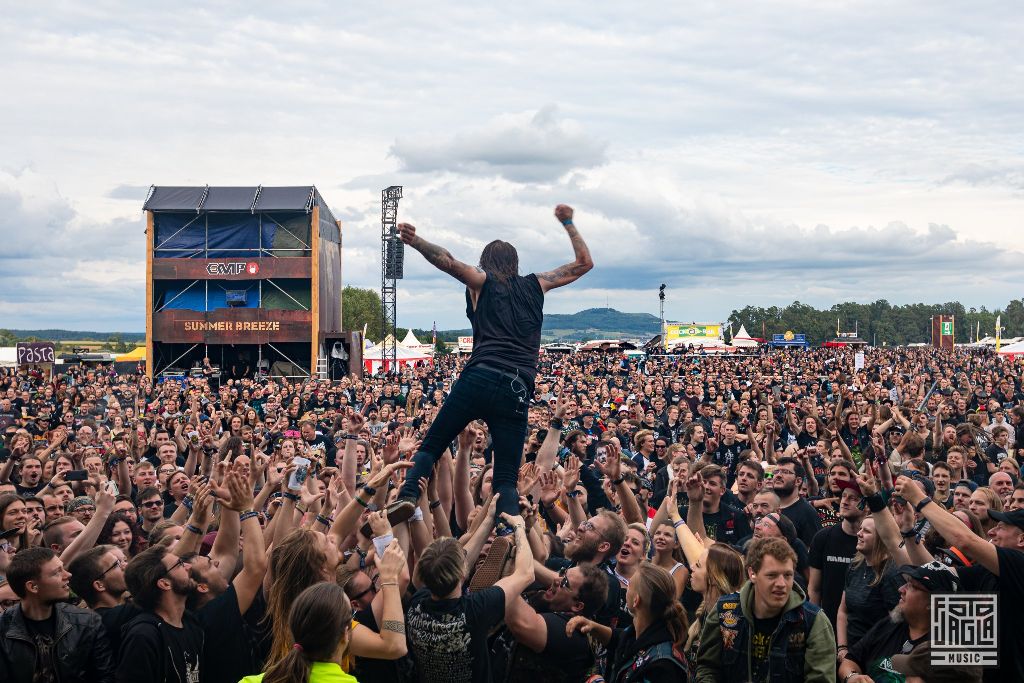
{"x":362,"y":307}
{"x":439,"y":348}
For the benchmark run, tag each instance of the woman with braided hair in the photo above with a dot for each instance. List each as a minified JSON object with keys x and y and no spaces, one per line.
{"x":651,"y":650}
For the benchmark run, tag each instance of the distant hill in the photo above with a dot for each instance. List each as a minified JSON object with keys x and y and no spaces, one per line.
{"x":599,"y":323}
{"x":76,"y":335}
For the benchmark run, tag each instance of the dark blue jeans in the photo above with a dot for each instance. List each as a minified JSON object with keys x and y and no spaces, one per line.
{"x":499,"y":398}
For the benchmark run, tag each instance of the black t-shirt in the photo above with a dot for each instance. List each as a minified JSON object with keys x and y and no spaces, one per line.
{"x":448,"y":638}
{"x":322,"y":445}
{"x":236,"y":654}
{"x":114,"y":620}
{"x":1011,"y":616}
{"x":42,"y":634}
{"x":727,"y":456}
{"x":805,"y":518}
{"x":832,"y":550}
{"x":867,"y":604}
{"x":873,"y":653}
{"x":153,"y":650}
{"x":761,"y":633}
{"x":30,"y":490}
{"x":506,"y":324}
{"x":728,"y":525}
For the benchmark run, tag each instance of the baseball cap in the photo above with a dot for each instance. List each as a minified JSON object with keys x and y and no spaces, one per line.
{"x":850,"y":484}
{"x":935,"y":576}
{"x":1011,"y":517}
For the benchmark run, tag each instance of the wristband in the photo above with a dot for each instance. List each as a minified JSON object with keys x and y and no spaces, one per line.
{"x":556,"y":423}
{"x":350,"y":437}
{"x":326,"y":521}
{"x":194,"y":529}
{"x":574,"y":493}
{"x":360,"y":501}
{"x":369,"y":490}
{"x":299,"y":508}
{"x":920,"y":506}
{"x":681,"y":522}
{"x":248,"y":514}
{"x":616,"y":482}
{"x":875,"y":502}
{"x":187,"y":502}
{"x":291,"y":496}
{"x":909,"y":534}
{"x":567,"y":221}
{"x":434,"y":504}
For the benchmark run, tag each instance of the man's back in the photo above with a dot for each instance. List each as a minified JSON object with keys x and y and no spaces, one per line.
{"x":448,"y":638}
{"x":506,"y":323}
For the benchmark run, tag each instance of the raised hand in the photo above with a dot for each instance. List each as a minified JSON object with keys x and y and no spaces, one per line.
{"x":379,"y":478}
{"x":563,"y":212}
{"x":550,"y":488}
{"x":379,"y":524}
{"x":407,"y":233}
{"x":467,"y":437}
{"x":572,"y":473}
{"x":695,"y":488}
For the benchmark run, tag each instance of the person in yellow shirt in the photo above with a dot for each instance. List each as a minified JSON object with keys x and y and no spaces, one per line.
{"x":320,"y":622}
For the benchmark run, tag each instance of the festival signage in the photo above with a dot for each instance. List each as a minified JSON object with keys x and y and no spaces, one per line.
{"x":687,"y":331}
{"x":34,"y":352}
{"x":231,"y":326}
{"x":465,"y":344}
{"x":231,"y":268}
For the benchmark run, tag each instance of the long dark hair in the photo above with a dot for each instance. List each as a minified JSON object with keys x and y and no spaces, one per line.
{"x":500,"y":260}
{"x":319,"y":619}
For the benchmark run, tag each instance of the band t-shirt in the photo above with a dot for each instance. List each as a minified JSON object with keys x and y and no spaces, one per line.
{"x":448,"y":638}
{"x":832,"y":550}
{"x":761,"y":633}
{"x":868,"y":604}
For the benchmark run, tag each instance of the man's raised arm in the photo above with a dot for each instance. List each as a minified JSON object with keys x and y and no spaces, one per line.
{"x":442,"y":259}
{"x":570,"y":272}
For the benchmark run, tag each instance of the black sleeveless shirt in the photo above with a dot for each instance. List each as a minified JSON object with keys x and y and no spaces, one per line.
{"x":506,"y":324}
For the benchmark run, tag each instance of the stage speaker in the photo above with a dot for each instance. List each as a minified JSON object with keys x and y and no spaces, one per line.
{"x":394,"y":260}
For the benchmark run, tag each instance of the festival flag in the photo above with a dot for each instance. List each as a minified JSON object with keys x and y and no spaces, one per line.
{"x":434,"y":338}
{"x":999,"y":335}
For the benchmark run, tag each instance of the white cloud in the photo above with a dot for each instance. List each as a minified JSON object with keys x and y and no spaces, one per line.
{"x":534,"y":147}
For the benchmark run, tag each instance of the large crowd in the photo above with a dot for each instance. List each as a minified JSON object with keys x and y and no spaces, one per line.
{"x":779,"y":516}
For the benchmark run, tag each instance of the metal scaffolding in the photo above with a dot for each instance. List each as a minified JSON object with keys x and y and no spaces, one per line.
{"x":392,"y":252}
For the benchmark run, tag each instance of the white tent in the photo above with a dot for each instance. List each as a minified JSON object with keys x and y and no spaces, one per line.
{"x":410,"y":340}
{"x":1012,"y":350}
{"x":8,"y":357}
{"x":743,"y":339}
{"x":372,"y":360}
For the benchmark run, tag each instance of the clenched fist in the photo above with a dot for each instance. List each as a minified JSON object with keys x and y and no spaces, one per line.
{"x":563,"y":212}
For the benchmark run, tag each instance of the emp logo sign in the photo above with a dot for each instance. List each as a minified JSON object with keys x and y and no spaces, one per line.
{"x":965,"y":630}
{"x":233,"y":268}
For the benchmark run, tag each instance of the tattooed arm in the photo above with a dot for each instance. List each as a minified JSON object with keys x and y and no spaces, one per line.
{"x":570,"y":272}
{"x":442,"y":259}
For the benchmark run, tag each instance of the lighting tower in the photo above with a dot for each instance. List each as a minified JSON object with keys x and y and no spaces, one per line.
{"x":392,"y":258}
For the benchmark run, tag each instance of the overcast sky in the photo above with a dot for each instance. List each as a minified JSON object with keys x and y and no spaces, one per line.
{"x":741,"y":153}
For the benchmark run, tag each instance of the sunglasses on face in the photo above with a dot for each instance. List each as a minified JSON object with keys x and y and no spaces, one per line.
{"x":153,"y":504}
{"x":563,"y":578}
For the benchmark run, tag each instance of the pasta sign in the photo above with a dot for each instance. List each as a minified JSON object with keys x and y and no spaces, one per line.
{"x":35,"y":352}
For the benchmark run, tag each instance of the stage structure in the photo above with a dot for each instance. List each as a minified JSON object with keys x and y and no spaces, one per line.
{"x":392,"y":268}
{"x":249,"y":277}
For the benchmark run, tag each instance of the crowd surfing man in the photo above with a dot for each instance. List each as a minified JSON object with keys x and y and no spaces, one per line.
{"x":162,"y":531}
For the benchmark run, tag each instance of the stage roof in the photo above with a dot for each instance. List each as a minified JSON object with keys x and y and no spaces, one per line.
{"x":252,"y":199}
